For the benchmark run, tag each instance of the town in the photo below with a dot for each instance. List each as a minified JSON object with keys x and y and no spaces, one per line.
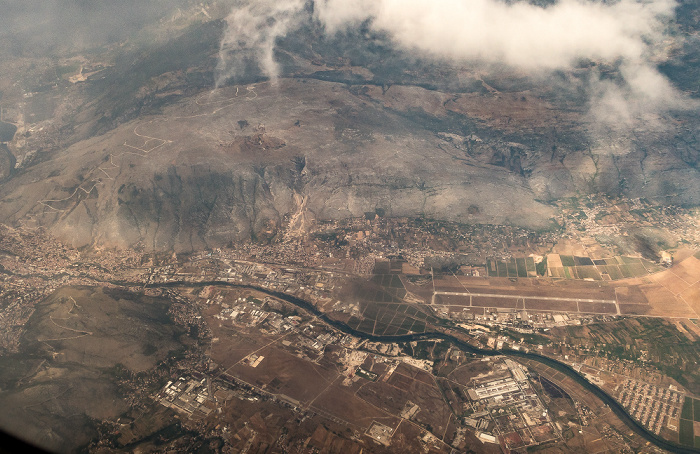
{"x":555,"y":293}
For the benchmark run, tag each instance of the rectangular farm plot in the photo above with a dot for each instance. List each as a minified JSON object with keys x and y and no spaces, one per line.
{"x":418,"y":327}
{"x":557,"y":272}
{"x":491,"y":268}
{"x":354,"y":322}
{"x":530,"y":266}
{"x":386,"y":317}
{"x":512,"y":268}
{"x":630,"y":260}
{"x":637,"y":270}
{"x":371,"y":311}
{"x":366,"y":326}
{"x":554,"y":261}
{"x":588,"y":272}
{"x":613,"y":271}
{"x":687,"y":412}
{"x":567,"y":260}
{"x":406,"y":324}
{"x":379,"y":328}
{"x":392,"y":330}
{"x":502,"y":269}
{"x":583,"y":261}
{"x":686,"y":436}
{"x":393,"y":281}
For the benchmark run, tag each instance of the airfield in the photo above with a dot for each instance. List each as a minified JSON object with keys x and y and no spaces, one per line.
{"x":671,"y":293}
{"x":396,"y":304}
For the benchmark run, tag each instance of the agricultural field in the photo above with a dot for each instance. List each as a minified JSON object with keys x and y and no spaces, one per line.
{"x":608,"y":269}
{"x":383,"y":311}
{"x":391,"y":319}
{"x":665,"y":292}
{"x":390,"y":284}
{"x":662,"y":344}
{"x":690,"y":423}
{"x":515,"y":267}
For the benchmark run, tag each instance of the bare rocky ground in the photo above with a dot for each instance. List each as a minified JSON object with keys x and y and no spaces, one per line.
{"x":80,"y":346}
{"x":147,"y":154}
{"x":225,"y":165}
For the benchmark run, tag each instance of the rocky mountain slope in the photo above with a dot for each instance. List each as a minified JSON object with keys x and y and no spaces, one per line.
{"x":147,"y":153}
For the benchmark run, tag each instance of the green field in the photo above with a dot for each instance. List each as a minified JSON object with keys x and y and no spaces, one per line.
{"x":583,"y":261}
{"x":502,"y":269}
{"x":354,"y":322}
{"x":575,"y":267}
{"x":567,"y":260}
{"x":557,"y":272}
{"x":690,"y":413}
{"x":388,"y":318}
{"x":613,"y":271}
{"x":380,"y":328}
{"x":686,"y":436}
{"x":687,"y":412}
{"x":588,"y":272}
{"x":514,"y":267}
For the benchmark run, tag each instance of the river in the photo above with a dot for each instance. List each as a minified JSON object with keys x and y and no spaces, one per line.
{"x":607,"y":399}
{"x":7,"y":131}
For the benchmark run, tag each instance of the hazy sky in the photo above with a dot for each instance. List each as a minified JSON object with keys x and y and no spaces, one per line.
{"x":44,"y":25}
{"x":632,"y":34}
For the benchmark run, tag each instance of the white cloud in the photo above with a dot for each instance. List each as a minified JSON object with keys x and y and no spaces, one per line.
{"x":518,"y":34}
{"x":629,"y":34}
{"x":253,"y":26}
